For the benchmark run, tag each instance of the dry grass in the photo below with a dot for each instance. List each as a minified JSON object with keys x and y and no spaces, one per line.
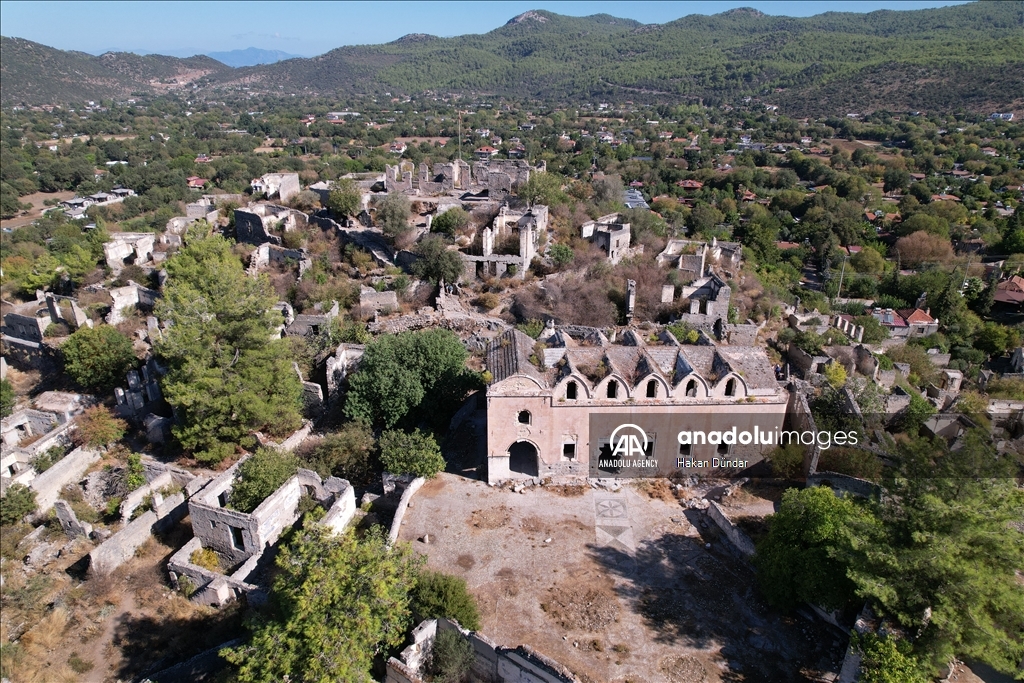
{"x":656,"y":489}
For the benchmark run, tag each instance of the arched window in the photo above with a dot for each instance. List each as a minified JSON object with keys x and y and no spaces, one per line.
{"x":613,"y":389}
{"x":570,"y":391}
{"x":523,"y":417}
{"x":691,"y":388}
{"x":730,"y":388}
{"x":652,"y":389}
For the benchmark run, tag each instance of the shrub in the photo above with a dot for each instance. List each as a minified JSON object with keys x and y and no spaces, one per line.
{"x":443,"y":595}
{"x":835,"y":374}
{"x":416,"y":453}
{"x":788,"y":461}
{"x":562,"y":254}
{"x":531,"y":328}
{"x":7,"y":399}
{"x":487,"y":301}
{"x":19,"y":501}
{"x":134,"y":478}
{"x":97,"y":427}
{"x":684,"y":333}
{"x":450,"y":658}
{"x":79,"y":665}
{"x":48,"y":458}
{"x":259,"y":476}
{"x":98,"y":358}
{"x":349,"y":453}
{"x":887,"y":659}
{"x":205,"y":558}
{"x":450,"y":222}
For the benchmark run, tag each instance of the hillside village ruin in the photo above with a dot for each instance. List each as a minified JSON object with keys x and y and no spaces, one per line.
{"x":678,"y":346}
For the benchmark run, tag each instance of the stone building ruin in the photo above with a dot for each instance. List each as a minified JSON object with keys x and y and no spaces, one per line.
{"x":240,"y":538}
{"x":499,"y":177}
{"x":542,"y":395}
{"x":256,"y":223}
{"x":284,"y":186}
{"x":611,"y":233}
{"x":527,"y":225}
{"x":127,"y":248}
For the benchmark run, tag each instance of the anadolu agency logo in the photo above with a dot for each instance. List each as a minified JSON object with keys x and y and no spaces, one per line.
{"x":626,"y":443}
{"x":629,"y":445}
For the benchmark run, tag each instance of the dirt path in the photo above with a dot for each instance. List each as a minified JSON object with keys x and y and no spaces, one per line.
{"x":96,"y":652}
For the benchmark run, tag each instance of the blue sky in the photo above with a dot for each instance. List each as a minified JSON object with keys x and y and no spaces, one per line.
{"x":311,"y":28}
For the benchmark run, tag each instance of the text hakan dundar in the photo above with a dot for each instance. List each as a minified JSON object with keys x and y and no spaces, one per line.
{"x":629,"y":440}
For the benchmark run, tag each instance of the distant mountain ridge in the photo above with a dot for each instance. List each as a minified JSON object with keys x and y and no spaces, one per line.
{"x":251,"y":56}
{"x":36,"y":74}
{"x":962,"y":56}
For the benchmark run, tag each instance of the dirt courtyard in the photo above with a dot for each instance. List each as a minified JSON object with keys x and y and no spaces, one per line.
{"x":616,"y":586}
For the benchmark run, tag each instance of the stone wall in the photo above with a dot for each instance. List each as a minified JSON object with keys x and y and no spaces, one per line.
{"x":403,"y":505}
{"x":842,"y":483}
{"x":68,"y":470}
{"x":492,"y":663}
{"x":739,"y":539}
{"x":121,"y":547}
{"x":798,"y":416}
{"x":203,"y":580}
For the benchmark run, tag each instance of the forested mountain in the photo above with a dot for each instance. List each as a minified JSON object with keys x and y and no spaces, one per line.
{"x":36,"y":74}
{"x":961,"y":56}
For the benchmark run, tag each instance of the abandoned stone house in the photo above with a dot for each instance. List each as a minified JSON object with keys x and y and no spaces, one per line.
{"x":127,"y":248}
{"x":694,"y":258}
{"x":497,"y":176}
{"x":48,"y":423}
{"x":242,"y":538}
{"x":28,"y":321}
{"x":281,"y":185}
{"x":525,"y":227}
{"x":256,"y":223}
{"x":611,"y":233}
{"x":542,"y":395}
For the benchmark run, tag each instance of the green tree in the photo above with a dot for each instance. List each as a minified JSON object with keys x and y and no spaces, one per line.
{"x":344,"y":198}
{"x":805,"y":554}
{"x":442,"y":595}
{"x":227,"y":377}
{"x":562,"y":254}
{"x":887,"y":659}
{"x":436,"y":261}
{"x":945,"y":568}
{"x":336,"y":603}
{"x":393,"y":215}
{"x":895,"y":179}
{"x":414,"y":453}
{"x":915,"y":414}
{"x":98,"y":427}
{"x":260,"y":475}
{"x":98,"y":357}
{"x":451,"y":657}
{"x":704,"y":218}
{"x":450,"y":222}
{"x":410,"y":376}
{"x":7,"y":398}
{"x":19,"y":501}
{"x":543,"y":188}
{"x":867,"y":260}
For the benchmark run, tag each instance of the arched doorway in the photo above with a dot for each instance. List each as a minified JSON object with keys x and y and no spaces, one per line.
{"x":523,"y":459}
